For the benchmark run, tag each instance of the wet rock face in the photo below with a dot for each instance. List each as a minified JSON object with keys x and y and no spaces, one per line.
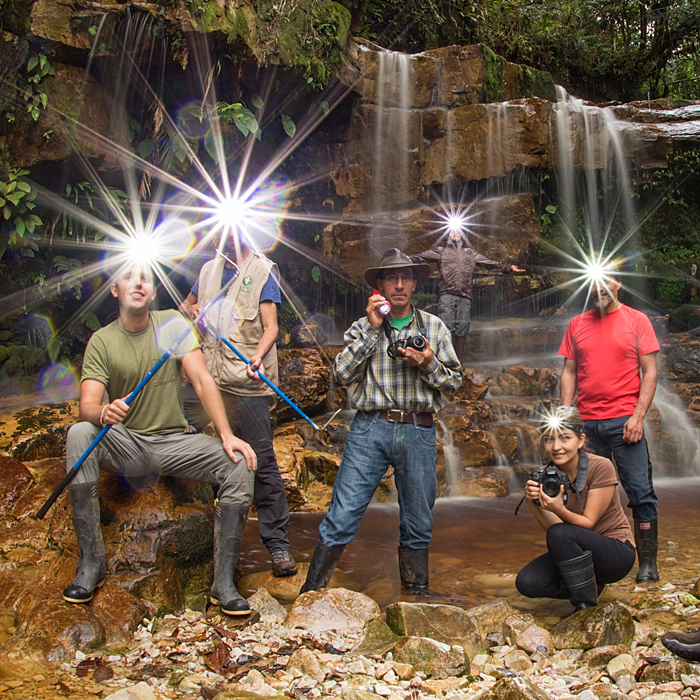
{"x":159,"y":548}
{"x":355,"y":245}
{"x":305,"y":379}
{"x":450,"y":76}
{"x":72,"y":97}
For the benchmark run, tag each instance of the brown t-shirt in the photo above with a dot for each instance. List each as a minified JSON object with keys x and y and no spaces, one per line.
{"x":613,"y":522}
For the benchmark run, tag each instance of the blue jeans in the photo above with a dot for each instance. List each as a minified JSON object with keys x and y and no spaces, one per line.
{"x":604,"y":437}
{"x":373,"y":444}
{"x":455,"y":313}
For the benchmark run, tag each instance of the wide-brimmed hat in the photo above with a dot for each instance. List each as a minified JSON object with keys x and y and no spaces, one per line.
{"x":394,"y":259}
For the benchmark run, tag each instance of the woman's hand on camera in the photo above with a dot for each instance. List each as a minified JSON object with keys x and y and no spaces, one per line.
{"x":553,"y":504}
{"x":532,"y":490}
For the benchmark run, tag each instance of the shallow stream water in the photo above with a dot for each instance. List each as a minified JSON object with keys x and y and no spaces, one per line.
{"x":479,"y":545}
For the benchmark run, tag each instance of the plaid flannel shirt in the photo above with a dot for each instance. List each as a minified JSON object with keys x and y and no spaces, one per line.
{"x":386,"y":383}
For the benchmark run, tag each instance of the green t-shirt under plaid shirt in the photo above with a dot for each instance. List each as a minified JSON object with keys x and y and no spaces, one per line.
{"x":386,"y":383}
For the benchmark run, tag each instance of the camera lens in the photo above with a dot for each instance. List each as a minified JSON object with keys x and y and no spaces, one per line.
{"x":551,"y":486}
{"x":418,"y":343}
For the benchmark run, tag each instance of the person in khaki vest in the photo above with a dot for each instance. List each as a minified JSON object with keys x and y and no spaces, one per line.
{"x":248,"y":318}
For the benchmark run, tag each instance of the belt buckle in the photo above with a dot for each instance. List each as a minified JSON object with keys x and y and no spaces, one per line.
{"x":391,"y":415}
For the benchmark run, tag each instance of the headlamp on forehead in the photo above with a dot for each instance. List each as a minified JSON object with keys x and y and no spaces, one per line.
{"x":561,"y":418}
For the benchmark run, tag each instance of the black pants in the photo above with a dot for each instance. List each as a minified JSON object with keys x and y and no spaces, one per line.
{"x":612,"y":560}
{"x":249,"y":418}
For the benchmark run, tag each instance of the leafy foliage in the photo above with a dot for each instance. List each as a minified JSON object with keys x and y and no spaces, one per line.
{"x":602,"y":49}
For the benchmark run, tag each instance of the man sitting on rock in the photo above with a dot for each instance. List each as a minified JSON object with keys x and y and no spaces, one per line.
{"x":400,"y":363}
{"x":151,"y":435}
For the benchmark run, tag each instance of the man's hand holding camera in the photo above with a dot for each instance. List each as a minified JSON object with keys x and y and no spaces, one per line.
{"x":414,"y":357}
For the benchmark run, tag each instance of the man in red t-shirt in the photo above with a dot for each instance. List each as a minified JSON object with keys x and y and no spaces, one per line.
{"x":604,"y":350}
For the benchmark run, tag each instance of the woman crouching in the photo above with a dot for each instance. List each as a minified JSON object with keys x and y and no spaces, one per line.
{"x":589,"y":539}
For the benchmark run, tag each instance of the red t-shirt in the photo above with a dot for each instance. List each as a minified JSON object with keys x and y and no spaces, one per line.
{"x":606,"y":349}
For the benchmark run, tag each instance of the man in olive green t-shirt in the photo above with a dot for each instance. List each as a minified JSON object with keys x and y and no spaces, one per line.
{"x":151,"y":435}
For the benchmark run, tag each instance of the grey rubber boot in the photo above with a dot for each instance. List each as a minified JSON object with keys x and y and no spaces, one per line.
{"x":647,"y":541}
{"x":413,"y":569}
{"x":229,"y":524}
{"x":322,"y":566}
{"x":92,"y":565}
{"x":579,"y":576}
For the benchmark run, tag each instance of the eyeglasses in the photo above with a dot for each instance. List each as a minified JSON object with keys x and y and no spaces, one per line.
{"x":394,"y":278}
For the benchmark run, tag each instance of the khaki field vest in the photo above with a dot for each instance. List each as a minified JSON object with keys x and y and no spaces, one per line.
{"x":238,"y":320}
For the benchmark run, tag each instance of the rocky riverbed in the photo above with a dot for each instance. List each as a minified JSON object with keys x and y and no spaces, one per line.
{"x":337,"y":644}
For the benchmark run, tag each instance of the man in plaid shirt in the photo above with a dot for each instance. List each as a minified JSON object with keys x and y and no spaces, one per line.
{"x":397,"y":390}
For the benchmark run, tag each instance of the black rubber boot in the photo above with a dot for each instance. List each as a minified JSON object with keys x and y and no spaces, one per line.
{"x":413,"y":568}
{"x":683,"y":644}
{"x":322,"y":566}
{"x":92,"y":565}
{"x":647,"y":541}
{"x":229,"y":524}
{"x":579,"y":576}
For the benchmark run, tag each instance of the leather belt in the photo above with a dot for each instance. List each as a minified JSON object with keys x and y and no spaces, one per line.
{"x":425,"y":419}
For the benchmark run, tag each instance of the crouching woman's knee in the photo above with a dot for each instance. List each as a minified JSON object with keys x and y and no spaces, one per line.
{"x":560,"y":539}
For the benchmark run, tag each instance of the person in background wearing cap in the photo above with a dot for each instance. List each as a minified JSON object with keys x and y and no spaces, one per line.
{"x":604,"y":350}
{"x":456,"y":262}
{"x":397,"y":390}
{"x":589,"y":539}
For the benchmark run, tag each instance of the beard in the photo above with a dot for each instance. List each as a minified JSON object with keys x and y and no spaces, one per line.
{"x":601,"y":303}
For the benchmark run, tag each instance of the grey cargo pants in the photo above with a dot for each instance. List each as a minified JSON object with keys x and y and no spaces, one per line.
{"x":183,"y":455}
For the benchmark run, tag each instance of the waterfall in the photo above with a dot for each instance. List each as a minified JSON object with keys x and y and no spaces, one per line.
{"x":591,"y":171}
{"x":391,"y":131}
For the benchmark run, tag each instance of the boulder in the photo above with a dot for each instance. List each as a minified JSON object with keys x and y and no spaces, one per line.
{"x":621,"y":665}
{"x":444,"y":623}
{"x":492,"y":616}
{"x":158,"y":541}
{"x":332,"y":609}
{"x":605,"y":624}
{"x":535,"y":638}
{"x":431,"y":657}
{"x":518,"y":661}
{"x":285,"y":588}
{"x":269,"y":609}
{"x":305,"y":379}
{"x":516,"y":689}
{"x":378,"y":640}
{"x":475,"y":385}
{"x":140,"y":691}
{"x":667,"y":671}
{"x":601,"y":656}
{"x":304,"y":660}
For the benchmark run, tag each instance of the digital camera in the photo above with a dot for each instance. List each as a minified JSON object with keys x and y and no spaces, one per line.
{"x":551,"y":479}
{"x":417,"y":342}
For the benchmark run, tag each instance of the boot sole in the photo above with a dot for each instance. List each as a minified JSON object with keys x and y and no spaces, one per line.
{"x":85,"y":600}
{"x":214,"y":601}
{"x":282,"y":574}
